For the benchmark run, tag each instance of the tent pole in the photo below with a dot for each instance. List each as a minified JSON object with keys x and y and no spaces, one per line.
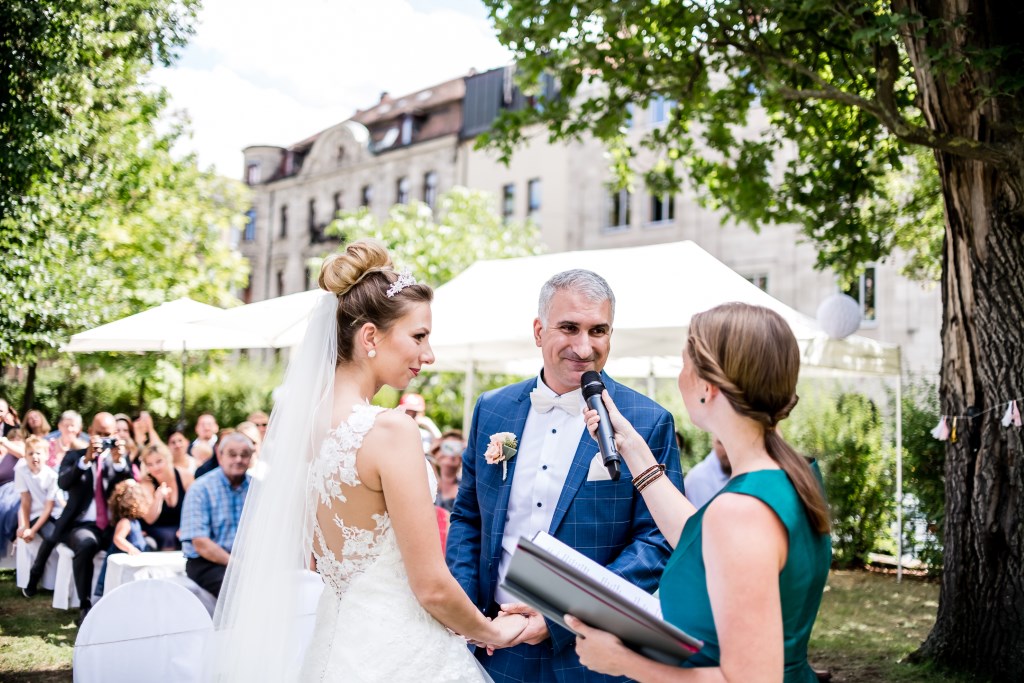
{"x":899,"y":473}
{"x":184,"y":361}
{"x":468,"y":391}
{"x":651,"y":380}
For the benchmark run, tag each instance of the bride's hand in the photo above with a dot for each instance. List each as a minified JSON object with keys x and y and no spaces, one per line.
{"x":510,"y":627}
{"x":627,"y":439}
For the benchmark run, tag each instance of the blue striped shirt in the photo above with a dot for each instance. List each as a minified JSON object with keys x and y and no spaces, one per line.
{"x":212,"y":509}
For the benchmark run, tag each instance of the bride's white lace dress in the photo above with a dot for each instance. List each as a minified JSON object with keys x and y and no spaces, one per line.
{"x":369,"y":626}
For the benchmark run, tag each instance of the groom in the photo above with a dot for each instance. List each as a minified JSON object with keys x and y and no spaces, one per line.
{"x":556,"y":482}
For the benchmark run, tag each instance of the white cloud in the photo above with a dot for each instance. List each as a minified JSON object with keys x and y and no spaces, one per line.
{"x":269,"y":72}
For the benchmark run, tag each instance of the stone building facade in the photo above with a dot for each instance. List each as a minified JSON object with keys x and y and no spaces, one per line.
{"x":419,"y":145}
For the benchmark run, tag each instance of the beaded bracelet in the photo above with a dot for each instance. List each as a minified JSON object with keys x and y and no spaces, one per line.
{"x":650,"y":480}
{"x":645,"y":478}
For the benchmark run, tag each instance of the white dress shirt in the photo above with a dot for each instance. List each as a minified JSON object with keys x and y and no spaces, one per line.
{"x":89,"y":514}
{"x":545,"y":454}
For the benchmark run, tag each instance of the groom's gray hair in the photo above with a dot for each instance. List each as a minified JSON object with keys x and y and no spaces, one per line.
{"x":592,"y":286}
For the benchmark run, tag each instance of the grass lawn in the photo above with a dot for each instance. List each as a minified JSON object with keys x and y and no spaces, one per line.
{"x":867,"y":625}
{"x":36,"y":641}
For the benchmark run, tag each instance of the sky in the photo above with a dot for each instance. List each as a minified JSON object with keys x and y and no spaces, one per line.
{"x":271,"y":72}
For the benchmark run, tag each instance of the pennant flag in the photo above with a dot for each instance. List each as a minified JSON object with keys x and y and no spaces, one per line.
{"x":941,"y":431}
{"x":1012,"y":415}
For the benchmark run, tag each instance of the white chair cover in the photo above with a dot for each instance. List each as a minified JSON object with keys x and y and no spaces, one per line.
{"x":152,"y":630}
{"x":65,"y":593}
{"x":26,"y":555}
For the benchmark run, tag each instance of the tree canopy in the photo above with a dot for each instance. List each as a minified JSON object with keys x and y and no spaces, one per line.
{"x":98,"y":219}
{"x":851,"y":119}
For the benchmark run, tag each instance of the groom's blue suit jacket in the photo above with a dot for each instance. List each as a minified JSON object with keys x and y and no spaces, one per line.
{"x":605,"y":520}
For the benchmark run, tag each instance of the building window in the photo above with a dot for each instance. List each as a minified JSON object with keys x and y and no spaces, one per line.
{"x":366,"y":196}
{"x":508,"y":202}
{"x":630,"y":115}
{"x":341,"y":155}
{"x":430,"y":189}
{"x":280,"y":283}
{"x":337,"y":203}
{"x":249,"y":232}
{"x":533,"y":198}
{"x":402,"y":190}
{"x":663,"y":209}
{"x":252,"y":173}
{"x":314,"y":229}
{"x":660,"y":108}
{"x":864,"y":290}
{"x":618,"y":210}
{"x":406,"y":131}
{"x":284,"y":221}
{"x":759,"y":280}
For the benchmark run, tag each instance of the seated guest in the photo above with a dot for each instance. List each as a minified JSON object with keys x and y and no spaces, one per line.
{"x":68,"y":438}
{"x":213,"y":508}
{"x":12,"y":450}
{"x":89,"y":477}
{"x":448,"y":460}
{"x":260,"y":419}
{"x":206,"y":431}
{"x":177,"y":442}
{"x":35,"y":424}
{"x":166,"y":485}
{"x":210,"y":462}
{"x":8,"y":417}
{"x":126,"y":505}
{"x":707,"y":477}
{"x":41,"y":505}
{"x":124,"y":432}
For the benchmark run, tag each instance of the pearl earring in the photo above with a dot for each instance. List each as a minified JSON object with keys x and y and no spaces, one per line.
{"x":372,"y":353}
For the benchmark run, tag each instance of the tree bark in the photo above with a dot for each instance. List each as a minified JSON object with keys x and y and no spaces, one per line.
{"x":980,"y":621}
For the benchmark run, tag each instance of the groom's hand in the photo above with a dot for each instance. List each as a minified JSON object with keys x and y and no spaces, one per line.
{"x":536,"y":630}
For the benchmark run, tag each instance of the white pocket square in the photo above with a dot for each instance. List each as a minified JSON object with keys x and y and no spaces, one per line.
{"x":598,"y":472}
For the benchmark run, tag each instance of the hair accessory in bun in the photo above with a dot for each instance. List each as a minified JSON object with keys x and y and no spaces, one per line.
{"x":405,"y":279}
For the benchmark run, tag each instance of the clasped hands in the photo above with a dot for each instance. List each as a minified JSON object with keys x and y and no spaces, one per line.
{"x":510,"y":623}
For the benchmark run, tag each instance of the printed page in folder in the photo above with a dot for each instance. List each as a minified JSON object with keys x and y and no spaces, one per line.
{"x":612,"y":582}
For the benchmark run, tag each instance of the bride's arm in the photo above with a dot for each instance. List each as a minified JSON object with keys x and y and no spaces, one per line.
{"x":394,"y":452}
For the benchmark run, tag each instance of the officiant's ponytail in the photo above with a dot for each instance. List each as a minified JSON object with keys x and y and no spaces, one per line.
{"x":369,"y":290}
{"x":751,"y":355}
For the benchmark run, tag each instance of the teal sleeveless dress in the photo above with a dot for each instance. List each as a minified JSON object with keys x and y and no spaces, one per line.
{"x":684,"y":592}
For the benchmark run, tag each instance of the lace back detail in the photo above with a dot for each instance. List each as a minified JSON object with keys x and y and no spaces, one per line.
{"x":333,"y":469}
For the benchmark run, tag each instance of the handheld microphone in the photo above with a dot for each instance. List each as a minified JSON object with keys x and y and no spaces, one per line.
{"x":592,"y":387}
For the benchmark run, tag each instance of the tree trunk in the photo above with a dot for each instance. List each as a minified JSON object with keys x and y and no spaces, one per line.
{"x":980,"y":621}
{"x":28,"y":399}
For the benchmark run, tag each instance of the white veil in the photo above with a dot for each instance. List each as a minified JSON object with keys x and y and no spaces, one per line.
{"x":256,"y":638}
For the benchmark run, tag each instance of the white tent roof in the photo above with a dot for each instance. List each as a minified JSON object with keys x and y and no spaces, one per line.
{"x":483,"y":316}
{"x":271,"y":323}
{"x":170,"y":326}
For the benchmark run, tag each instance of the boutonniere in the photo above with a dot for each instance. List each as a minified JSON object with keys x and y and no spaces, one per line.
{"x":502,"y":448}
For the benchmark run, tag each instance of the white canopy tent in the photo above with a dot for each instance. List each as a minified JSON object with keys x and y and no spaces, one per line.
{"x":172,"y":327}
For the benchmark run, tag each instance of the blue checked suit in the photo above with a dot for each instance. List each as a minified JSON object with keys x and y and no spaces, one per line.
{"x":605,"y":520}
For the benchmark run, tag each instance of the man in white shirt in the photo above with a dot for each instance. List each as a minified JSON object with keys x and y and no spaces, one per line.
{"x":706,"y":478}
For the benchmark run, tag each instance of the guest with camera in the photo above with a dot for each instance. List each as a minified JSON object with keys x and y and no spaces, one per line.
{"x":89,"y":477}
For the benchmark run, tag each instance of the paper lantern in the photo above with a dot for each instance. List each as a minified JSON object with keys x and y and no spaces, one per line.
{"x":839,"y":315}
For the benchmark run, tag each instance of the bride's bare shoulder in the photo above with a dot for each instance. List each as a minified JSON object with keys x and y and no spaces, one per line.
{"x":396,"y":431}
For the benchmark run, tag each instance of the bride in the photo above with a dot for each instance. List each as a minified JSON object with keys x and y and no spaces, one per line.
{"x":347,"y":492}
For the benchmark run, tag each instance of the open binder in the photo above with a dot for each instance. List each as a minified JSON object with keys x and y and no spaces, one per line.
{"x":557,"y":580}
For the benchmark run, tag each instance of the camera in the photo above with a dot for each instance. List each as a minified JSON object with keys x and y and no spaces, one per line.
{"x":107,"y":443}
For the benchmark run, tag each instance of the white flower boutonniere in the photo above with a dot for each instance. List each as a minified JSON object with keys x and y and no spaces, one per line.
{"x":502,"y":448}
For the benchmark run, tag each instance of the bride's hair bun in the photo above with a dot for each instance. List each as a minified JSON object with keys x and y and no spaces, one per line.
{"x":341,"y":272}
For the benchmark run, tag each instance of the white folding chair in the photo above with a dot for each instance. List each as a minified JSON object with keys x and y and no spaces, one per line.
{"x":65,"y":594}
{"x":26,"y":556}
{"x":153,"y":630}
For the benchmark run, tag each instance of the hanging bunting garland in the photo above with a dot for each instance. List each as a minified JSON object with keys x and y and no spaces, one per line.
{"x":1012,"y":415}
{"x":946,"y":429}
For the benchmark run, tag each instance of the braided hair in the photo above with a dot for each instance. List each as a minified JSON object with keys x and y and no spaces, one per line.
{"x":750,"y":354}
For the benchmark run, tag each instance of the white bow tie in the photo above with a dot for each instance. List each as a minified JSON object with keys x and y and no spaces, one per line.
{"x":544,"y":402}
